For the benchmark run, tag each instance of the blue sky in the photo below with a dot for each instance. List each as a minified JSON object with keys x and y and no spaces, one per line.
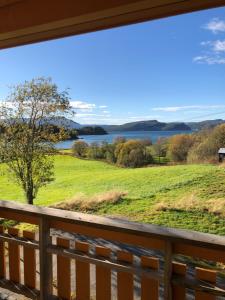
{"x":171,"y":69}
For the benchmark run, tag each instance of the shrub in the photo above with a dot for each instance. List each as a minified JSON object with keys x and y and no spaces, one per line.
{"x":207,"y":146}
{"x":132,"y":154}
{"x":79,"y":148}
{"x":179,"y":146}
{"x":95,"y":151}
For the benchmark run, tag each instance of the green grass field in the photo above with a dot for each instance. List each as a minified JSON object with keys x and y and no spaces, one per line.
{"x":184,"y":196}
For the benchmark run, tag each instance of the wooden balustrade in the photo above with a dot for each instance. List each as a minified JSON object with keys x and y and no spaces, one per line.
{"x":88,"y":257}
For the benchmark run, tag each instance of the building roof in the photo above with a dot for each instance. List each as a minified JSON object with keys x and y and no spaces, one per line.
{"x":28,"y":21}
{"x":221,"y":151}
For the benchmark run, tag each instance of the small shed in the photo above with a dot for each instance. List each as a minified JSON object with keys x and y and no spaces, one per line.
{"x":221,"y":153}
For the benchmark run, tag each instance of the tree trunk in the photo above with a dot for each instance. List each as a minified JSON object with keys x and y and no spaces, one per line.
{"x":29,"y":196}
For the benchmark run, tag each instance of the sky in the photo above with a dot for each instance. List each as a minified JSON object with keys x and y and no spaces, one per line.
{"x":171,"y":69}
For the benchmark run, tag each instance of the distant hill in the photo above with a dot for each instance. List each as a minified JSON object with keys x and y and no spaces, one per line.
{"x":205,"y":124}
{"x":151,"y":125}
{"x":63,"y":122}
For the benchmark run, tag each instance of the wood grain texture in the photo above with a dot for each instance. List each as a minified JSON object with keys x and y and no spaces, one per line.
{"x":14,"y":258}
{"x":125,"y":281}
{"x":208,"y":276}
{"x":103,"y":276}
{"x":63,"y":272}
{"x":149,"y":287}
{"x":29,"y":259}
{"x":82,"y":274}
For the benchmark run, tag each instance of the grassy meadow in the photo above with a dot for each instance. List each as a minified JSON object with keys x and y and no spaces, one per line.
{"x":184,"y":196}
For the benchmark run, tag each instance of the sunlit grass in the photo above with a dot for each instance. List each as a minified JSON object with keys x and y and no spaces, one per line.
{"x":147,"y":189}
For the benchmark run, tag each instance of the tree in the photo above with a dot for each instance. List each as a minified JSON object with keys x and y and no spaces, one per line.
{"x":132,"y":154}
{"x":207,"y":145}
{"x":160,"y":147}
{"x":79,"y":148}
{"x":27,"y":143}
{"x":179,"y":145}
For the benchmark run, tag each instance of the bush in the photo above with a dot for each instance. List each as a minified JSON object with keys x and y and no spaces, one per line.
{"x":209,"y":142}
{"x":179,"y":146}
{"x":79,"y":149}
{"x":95,"y":151}
{"x":132,"y":154}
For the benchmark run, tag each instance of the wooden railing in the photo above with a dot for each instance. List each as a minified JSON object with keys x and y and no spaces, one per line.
{"x":82,"y":257}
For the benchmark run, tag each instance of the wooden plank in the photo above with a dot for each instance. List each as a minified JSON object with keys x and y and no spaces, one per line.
{"x":103,"y":276}
{"x":49,"y":19}
{"x":207,"y":253}
{"x":208,"y":276}
{"x":64,"y":220}
{"x":45,"y":259}
{"x":63,"y":272}
{"x":149,"y":287}
{"x":2,"y":256}
{"x":125,"y":281}
{"x":82,"y":274}
{"x":168,"y":293}
{"x":179,"y":292}
{"x":29,"y":260}
{"x":14,"y":257}
{"x":106,"y":263}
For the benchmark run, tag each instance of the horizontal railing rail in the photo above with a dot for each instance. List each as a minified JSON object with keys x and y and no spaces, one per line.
{"x":64,"y":238}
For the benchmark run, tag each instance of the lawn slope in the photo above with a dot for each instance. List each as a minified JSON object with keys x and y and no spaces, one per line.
{"x":184,"y":196}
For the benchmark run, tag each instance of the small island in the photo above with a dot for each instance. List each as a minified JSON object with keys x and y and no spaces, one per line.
{"x":91,"y":130}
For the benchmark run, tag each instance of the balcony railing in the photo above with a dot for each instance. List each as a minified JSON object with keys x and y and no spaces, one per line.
{"x":82,"y":257}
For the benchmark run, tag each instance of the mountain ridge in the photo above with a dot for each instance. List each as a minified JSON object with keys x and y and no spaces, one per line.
{"x":148,"y":125}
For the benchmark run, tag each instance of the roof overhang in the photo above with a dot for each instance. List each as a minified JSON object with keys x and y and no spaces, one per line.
{"x":28,"y":21}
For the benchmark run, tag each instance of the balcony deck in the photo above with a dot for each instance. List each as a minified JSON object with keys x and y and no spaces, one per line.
{"x":89,"y":256}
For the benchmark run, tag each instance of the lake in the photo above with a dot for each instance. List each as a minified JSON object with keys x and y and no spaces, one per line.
{"x":153,"y":135}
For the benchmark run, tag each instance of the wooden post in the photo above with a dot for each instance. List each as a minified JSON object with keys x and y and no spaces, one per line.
{"x":45,"y":260}
{"x":168,"y":271}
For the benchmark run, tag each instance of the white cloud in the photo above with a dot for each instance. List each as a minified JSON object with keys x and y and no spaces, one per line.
{"x":103,"y":106}
{"x":219,"y":46}
{"x":82,"y":105}
{"x":215,"y":25}
{"x":209,"y":59}
{"x":187,"y":107}
{"x":81,"y":115}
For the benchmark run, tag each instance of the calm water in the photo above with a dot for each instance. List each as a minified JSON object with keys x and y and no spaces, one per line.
{"x":153,"y":135}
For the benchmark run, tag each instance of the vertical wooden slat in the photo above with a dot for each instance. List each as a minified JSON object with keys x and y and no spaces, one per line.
{"x":179,"y":292}
{"x":125,"y":281}
{"x":168,"y":271}
{"x":14,"y":257}
{"x":29,"y":259}
{"x":149,"y":287}
{"x":206,"y":275}
{"x":63,"y":272}
{"x":2,"y":256}
{"x":103,"y":276}
{"x":82,"y":274}
{"x":45,"y":259}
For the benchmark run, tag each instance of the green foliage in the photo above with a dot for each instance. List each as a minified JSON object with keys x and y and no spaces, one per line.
{"x":132,"y":154}
{"x":145,"y":187}
{"x":207,"y":144}
{"x":79,"y":149}
{"x":179,"y":146}
{"x":91,"y":130}
{"x":26,"y":143}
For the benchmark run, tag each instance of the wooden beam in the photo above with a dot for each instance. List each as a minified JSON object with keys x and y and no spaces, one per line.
{"x":29,"y":21}
{"x":54,"y":216}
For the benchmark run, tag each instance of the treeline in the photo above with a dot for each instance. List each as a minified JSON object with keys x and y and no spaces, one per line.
{"x":131,"y":153}
{"x":197,"y":147}
{"x":73,"y":134}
